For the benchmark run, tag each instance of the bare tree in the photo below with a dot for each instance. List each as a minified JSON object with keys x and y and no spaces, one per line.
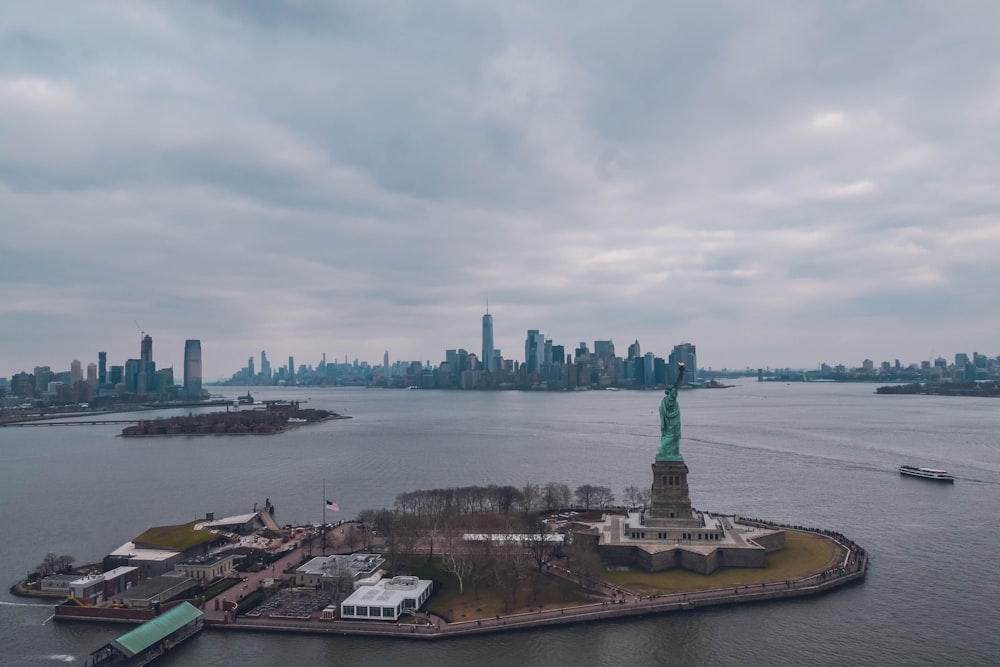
{"x":602,"y":497}
{"x":556,"y":495}
{"x":338,"y":579}
{"x":540,"y":543}
{"x":584,"y":495}
{"x":633,"y":495}
{"x":531,"y":495}
{"x":53,"y":564}
{"x":455,"y":556}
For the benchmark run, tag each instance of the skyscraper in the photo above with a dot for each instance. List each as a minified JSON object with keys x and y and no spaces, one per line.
{"x":385,"y":364}
{"x":102,"y":368}
{"x":147,"y":371}
{"x":291,"y":370}
{"x":265,"y":368}
{"x":192,"y":368}
{"x":489,"y":356}
{"x":534,"y":349}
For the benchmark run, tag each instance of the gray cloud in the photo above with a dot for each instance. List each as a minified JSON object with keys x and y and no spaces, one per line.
{"x":781,"y":185}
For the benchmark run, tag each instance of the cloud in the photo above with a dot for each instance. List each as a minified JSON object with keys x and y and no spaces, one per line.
{"x":309,"y":177}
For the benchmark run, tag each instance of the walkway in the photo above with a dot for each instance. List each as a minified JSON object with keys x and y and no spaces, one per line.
{"x":621,"y":604}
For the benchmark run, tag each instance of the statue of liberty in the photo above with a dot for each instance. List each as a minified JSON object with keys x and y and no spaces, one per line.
{"x":670,"y":422}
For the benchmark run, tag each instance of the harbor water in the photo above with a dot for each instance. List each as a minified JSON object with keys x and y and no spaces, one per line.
{"x":821,"y":455}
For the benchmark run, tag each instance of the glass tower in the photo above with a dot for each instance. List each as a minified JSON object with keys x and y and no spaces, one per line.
{"x":489,"y":360}
{"x":192,"y":368}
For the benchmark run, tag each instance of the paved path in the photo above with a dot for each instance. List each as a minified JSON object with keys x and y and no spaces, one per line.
{"x":346,"y":537}
{"x":340,"y":539}
{"x":621,"y":604}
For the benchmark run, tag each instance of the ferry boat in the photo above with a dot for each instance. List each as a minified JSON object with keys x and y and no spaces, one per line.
{"x":926,"y":473}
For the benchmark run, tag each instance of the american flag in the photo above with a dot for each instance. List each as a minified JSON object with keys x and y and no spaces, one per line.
{"x":330,"y":505}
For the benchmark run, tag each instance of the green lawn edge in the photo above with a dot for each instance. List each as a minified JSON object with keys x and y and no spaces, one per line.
{"x":805,"y":554}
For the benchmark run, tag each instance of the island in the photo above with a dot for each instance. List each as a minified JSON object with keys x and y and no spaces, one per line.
{"x":275,"y":417}
{"x":450,"y":562}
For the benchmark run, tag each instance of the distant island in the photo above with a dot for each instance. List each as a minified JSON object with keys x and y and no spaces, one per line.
{"x":990,"y":389}
{"x":274,"y":418}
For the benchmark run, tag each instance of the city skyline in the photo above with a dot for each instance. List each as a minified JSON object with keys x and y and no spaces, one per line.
{"x":782,"y":187}
{"x":191,"y":374}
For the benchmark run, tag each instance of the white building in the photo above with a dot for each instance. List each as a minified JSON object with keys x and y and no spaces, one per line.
{"x":207,"y":567}
{"x":323,"y":569}
{"x":386,"y":600}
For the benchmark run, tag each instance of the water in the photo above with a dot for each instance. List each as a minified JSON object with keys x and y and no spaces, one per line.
{"x":819,"y":455}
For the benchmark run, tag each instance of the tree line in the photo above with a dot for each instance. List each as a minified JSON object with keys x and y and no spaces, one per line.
{"x":493,"y":499}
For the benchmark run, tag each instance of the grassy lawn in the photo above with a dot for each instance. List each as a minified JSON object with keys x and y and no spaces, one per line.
{"x":804,"y":554}
{"x":180,"y":538}
{"x":488,"y":601}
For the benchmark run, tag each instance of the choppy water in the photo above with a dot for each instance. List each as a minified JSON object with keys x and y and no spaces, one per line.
{"x":820,"y":455}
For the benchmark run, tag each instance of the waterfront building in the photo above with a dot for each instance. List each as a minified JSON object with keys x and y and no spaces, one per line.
{"x":192,"y":368}
{"x":386,"y":600}
{"x":604,"y":349}
{"x":43,"y":375}
{"x":164,"y":383}
{"x":145,"y":643}
{"x":327,"y":569}
{"x":208,"y":567}
{"x":131,"y":378}
{"x":58,"y":583}
{"x":94,"y":589}
{"x":265,"y":368}
{"x":534,"y":350}
{"x":102,"y":368}
{"x":147,"y":368}
{"x":489,"y":358}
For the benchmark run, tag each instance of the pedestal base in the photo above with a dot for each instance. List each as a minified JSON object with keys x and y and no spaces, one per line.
{"x":670,"y":498}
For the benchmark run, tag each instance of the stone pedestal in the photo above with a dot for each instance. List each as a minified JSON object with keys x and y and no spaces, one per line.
{"x":670,"y":501}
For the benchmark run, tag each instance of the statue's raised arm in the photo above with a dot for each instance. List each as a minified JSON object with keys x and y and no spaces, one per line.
{"x":670,"y":422}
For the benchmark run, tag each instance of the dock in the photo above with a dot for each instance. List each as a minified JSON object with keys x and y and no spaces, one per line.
{"x":150,"y":640}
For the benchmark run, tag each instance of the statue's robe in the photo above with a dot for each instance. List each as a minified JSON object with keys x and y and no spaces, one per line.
{"x":670,"y":428}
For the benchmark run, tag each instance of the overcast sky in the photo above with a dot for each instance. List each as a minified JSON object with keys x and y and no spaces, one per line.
{"x":779,"y":183}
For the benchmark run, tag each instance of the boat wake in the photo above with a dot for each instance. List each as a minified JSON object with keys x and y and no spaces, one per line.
{"x":23,"y":604}
{"x":62,"y":657}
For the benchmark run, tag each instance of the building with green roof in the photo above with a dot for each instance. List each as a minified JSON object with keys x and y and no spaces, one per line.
{"x":150,"y":640}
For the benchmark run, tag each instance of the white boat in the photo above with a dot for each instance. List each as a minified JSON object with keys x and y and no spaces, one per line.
{"x":926,"y":473}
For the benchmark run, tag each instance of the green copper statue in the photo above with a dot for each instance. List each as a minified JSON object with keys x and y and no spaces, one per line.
{"x":670,"y":422}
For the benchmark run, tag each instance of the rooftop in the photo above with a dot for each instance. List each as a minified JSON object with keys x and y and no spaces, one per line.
{"x":129,"y":550}
{"x":151,"y":632}
{"x":356,"y":564}
{"x":389,"y":592}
